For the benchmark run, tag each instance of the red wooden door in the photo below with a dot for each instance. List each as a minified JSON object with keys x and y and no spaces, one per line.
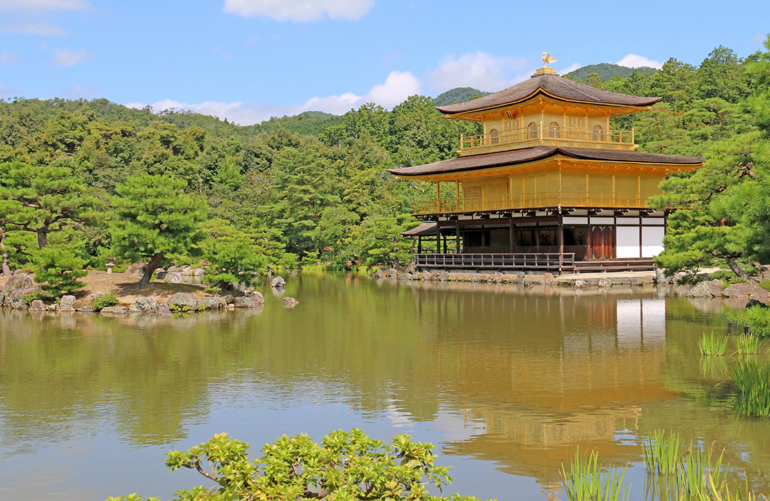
{"x":597,"y":242}
{"x":608,"y":247}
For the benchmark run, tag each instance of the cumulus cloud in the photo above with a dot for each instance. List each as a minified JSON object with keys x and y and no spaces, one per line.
{"x":479,"y":70}
{"x":68,"y":57}
{"x":43,"y":5}
{"x":637,"y":61}
{"x":28,"y":28}
{"x":299,"y":10}
{"x":8,"y":58}
{"x":396,"y":88}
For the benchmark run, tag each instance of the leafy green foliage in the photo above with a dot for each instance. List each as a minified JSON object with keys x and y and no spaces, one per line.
{"x":661,"y":452}
{"x":104,"y":300}
{"x":747,"y":344}
{"x":345,"y":466}
{"x":57,"y":267}
{"x":380,"y":242}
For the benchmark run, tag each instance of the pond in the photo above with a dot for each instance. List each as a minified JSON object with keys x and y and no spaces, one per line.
{"x":505,"y":381}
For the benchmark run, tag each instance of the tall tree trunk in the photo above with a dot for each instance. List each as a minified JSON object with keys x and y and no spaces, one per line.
{"x":151,"y":267}
{"x":737,"y":270}
{"x":4,"y":254}
{"x":42,"y":237}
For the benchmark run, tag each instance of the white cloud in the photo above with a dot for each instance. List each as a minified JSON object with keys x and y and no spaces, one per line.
{"x":8,"y":58}
{"x":32,"y":28}
{"x":68,"y":57}
{"x":637,"y":61}
{"x":44,"y":5}
{"x":396,"y":88}
{"x":570,"y":68}
{"x":299,"y":10}
{"x":759,"y":39}
{"x":79,"y":91}
{"x":478,"y":70}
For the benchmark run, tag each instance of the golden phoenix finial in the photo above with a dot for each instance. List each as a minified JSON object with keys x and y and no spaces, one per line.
{"x":547,"y":59}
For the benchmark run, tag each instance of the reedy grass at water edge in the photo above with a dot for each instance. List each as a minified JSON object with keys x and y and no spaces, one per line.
{"x":661,"y":452}
{"x":695,"y":474}
{"x":586,"y":482}
{"x":752,"y":381}
{"x":747,"y":344}
{"x":713,"y":345}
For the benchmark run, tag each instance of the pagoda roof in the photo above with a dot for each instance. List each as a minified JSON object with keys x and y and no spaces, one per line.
{"x":551,"y":85}
{"x":525,"y":155}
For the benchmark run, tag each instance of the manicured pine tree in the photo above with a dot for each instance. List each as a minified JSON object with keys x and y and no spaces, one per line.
{"x":42,"y":199}
{"x":154,"y":218}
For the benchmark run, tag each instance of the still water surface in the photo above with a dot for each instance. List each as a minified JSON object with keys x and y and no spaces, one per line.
{"x":506,"y":381}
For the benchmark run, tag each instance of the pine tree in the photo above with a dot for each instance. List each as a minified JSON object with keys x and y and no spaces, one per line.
{"x":154,"y":218}
{"x":42,"y":199}
{"x":303,"y":188}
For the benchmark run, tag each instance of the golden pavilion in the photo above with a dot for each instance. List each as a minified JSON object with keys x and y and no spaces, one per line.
{"x":548,"y":186}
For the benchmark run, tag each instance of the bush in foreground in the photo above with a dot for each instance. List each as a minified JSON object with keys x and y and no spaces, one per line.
{"x":345,"y":466}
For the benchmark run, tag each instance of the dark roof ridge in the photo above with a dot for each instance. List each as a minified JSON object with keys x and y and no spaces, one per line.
{"x":552,"y":85}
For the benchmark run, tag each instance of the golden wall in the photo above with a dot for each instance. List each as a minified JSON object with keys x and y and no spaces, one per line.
{"x":566,"y":185}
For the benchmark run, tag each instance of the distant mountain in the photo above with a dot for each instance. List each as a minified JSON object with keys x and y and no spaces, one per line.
{"x":309,"y":123}
{"x":606,"y":71}
{"x":458,"y":95}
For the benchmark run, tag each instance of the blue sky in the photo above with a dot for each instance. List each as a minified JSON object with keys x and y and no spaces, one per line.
{"x":248,"y":60}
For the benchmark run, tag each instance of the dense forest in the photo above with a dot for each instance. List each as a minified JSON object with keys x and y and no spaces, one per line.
{"x":94,"y":180}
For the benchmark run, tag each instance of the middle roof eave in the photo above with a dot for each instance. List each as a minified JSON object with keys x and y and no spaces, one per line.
{"x":525,"y":155}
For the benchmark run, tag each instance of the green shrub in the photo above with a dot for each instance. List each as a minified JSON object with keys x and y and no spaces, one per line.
{"x":346,"y":466}
{"x":104,"y":300}
{"x":722,"y":275}
{"x":28,"y":298}
{"x":765,"y":284}
{"x":213,"y":291}
{"x":737,"y":280}
{"x":176,"y":308}
{"x":57,"y":267}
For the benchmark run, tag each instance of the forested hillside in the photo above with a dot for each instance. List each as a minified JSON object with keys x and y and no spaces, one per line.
{"x":458,"y":95}
{"x":605,"y":71}
{"x":315,"y":187}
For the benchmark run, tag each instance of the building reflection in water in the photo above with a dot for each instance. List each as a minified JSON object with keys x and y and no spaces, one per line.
{"x":582,"y":384}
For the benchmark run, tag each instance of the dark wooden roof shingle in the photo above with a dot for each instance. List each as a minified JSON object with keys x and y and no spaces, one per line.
{"x":525,"y":155}
{"x":554,"y":85}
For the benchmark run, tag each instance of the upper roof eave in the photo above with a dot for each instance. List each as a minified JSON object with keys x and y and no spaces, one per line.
{"x":554,"y":86}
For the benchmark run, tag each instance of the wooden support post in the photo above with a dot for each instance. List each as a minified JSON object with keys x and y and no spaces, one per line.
{"x":445,"y":249}
{"x":419,"y":244}
{"x":438,"y":196}
{"x":438,"y":237}
{"x":457,"y":235}
{"x":457,"y":202}
{"x":560,"y":235}
{"x":511,"y":236}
